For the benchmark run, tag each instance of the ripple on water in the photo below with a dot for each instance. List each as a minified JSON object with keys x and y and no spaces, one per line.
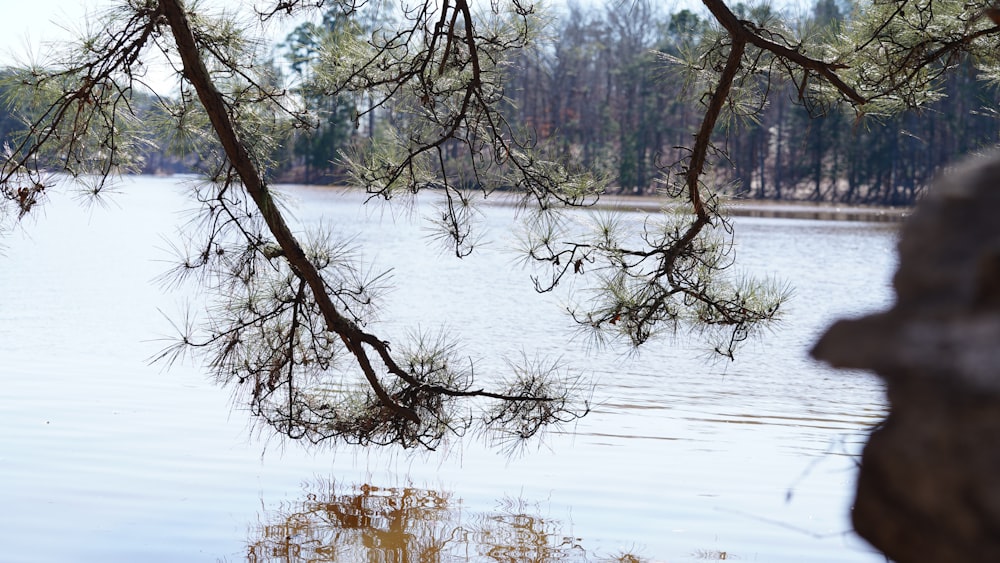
{"x":106,"y":458}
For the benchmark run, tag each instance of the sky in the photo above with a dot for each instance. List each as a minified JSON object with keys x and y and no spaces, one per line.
{"x":31,"y":23}
{"x":27,"y":26}
{"x":27,"y":23}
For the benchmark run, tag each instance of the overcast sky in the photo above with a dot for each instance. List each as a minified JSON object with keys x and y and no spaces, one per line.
{"x":26,"y":26}
{"x":25,"y":23}
{"x":29,"y":27}
{"x":34,"y":22}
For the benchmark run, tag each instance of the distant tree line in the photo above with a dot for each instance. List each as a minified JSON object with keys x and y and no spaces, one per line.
{"x":602,"y":93}
{"x":598,"y":95}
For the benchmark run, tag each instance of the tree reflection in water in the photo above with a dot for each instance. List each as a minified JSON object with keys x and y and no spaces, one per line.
{"x":400,"y":525}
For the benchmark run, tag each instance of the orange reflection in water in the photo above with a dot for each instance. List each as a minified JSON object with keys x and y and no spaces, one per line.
{"x":401,"y":525}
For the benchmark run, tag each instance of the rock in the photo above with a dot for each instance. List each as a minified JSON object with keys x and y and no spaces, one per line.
{"x":929,"y":481}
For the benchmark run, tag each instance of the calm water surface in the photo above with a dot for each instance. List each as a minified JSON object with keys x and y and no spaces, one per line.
{"x":104,"y":457}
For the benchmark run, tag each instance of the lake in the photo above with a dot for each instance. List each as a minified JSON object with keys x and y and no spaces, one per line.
{"x":107,"y":458}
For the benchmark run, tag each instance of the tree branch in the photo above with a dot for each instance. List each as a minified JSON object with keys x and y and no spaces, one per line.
{"x":196,"y":72}
{"x":738,"y":30}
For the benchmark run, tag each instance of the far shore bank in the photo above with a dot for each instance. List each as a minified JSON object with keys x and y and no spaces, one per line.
{"x":780,"y":209}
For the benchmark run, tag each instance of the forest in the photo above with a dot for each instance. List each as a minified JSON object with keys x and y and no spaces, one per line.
{"x":605,"y":89}
{"x":605,"y":94}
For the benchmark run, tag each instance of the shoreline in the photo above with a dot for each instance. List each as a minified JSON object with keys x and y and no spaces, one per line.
{"x":776,"y":209}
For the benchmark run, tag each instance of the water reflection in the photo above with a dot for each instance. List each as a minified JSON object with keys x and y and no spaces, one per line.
{"x":403,"y":524}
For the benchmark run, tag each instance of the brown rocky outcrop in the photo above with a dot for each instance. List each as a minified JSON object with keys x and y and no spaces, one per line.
{"x":929,"y":482}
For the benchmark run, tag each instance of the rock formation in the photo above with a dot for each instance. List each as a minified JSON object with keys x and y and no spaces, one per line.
{"x":929,"y":482}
